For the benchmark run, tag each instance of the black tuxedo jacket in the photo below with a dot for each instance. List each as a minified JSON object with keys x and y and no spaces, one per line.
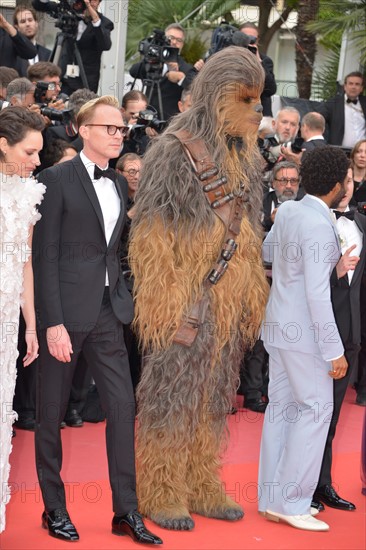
{"x":70,"y":253}
{"x":346,"y":297}
{"x":170,"y":92}
{"x":333,"y":112}
{"x":93,"y":42}
{"x":269,"y":198}
{"x":23,"y":64}
{"x":11,"y":48}
{"x":309,"y":145}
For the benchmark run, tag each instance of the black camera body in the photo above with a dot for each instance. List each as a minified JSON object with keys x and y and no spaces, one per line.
{"x":361,"y":208}
{"x":40,"y":91}
{"x":68,"y":13}
{"x":157,"y":50}
{"x":227,"y":35}
{"x":146,"y":119}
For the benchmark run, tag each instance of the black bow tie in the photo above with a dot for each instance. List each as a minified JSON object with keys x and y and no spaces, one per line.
{"x":108,"y":173}
{"x":354,"y":101}
{"x":350,"y":215}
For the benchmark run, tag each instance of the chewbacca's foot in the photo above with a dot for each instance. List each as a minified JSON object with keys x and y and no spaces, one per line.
{"x":218,"y":506}
{"x":174,"y":517}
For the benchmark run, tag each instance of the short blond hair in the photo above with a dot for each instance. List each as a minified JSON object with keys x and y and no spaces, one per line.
{"x":87,"y":111}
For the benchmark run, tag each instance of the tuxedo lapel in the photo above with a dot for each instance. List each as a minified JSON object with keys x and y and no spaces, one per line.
{"x":118,"y":226}
{"x":89,"y":188}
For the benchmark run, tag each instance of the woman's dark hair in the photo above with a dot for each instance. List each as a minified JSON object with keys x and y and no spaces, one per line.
{"x":322,"y":168}
{"x":16,"y":121}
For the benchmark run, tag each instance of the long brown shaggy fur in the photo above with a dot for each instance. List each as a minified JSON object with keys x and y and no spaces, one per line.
{"x":185,"y":393}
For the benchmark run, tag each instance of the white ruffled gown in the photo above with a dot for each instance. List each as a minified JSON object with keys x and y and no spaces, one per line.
{"x":18,"y":200}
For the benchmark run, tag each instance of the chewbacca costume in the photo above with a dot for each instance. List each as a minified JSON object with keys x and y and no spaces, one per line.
{"x":186,"y":391}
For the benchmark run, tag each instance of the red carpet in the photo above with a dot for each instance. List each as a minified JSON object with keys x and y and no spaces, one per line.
{"x":85,"y":474}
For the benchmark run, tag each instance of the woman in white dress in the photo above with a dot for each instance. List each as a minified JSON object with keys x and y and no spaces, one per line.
{"x":20,"y":142}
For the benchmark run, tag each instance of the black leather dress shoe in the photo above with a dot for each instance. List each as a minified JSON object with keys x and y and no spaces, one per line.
{"x":59,"y":525}
{"x":328,"y":496}
{"x":132,"y":524}
{"x":73,"y":419}
{"x":26,"y":423}
{"x":256,"y":405}
{"x":317,"y":505}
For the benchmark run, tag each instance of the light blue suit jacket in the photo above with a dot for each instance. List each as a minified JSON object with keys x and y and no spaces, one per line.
{"x":303,"y":247}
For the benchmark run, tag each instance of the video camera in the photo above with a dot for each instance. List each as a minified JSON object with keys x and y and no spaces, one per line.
{"x":40,"y":91}
{"x":157,"y":50}
{"x":146,"y":119}
{"x":227,"y":35}
{"x":68,"y":13}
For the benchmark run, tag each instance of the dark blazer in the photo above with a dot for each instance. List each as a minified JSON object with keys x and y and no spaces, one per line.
{"x":70,"y":253}
{"x":270,"y":86}
{"x":309,"y":145}
{"x":333,"y":112}
{"x":11,"y":48}
{"x":170,"y":92}
{"x":91,"y":45}
{"x":346,"y":297}
{"x":23,"y":64}
{"x":269,"y":198}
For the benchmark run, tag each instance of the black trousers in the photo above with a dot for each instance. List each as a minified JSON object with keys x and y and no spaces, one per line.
{"x":339,"y":391}
{"x":105,"y":352}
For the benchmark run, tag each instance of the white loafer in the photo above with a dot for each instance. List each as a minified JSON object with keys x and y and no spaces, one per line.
{"x":304,"y":521}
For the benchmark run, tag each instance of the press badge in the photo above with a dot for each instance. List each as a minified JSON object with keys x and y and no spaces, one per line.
{"x":72,"y":71}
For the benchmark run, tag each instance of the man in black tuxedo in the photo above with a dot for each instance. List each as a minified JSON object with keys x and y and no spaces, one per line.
{"x":25,"y":20}
{"x":172,"y":75}
{"x":13,"y":45}
{"x":312,"y":129}
{"x":82,"y":303}
{"x":345,"y":293}
{"x":93,"y":38}
{"x":345,"y":114}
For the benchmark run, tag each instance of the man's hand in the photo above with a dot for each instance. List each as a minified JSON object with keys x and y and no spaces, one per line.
{"x":339,"y":368}
{"x":57,"y":104}
{"x":174,"y":74}
{"x":273,"y":215}
{"x":347,"y":262}
{"x":59,"y":343}
{"x":4,"y":24}
{"x":290,"y":155}
{"x":199,"y":64}
{"x":91,"y":12}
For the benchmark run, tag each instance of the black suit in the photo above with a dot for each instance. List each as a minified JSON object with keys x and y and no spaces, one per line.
{"x":70,"y":260}
{"x":347,"y":313}
{"x":23,"y":64}
{"x":310,"y":145}
{"x":270,"y":198}
{"x":333,"y":112}
{"x":270,"y":85}
{"x":93,"y":42}
{"x":170,"y":92}
{"x":11,"y":48}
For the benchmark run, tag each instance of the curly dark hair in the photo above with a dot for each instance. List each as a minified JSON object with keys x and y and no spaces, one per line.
{"x":16,"y":121}
{"x":322,"y":168}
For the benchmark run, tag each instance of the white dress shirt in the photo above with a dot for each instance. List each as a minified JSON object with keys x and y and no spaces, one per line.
{"x":108,"y":198}
{"x":354,"y":124}
{"x":349,"y":234}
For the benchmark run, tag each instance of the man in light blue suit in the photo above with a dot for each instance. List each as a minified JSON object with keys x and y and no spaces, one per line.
{"x":303,"y":342}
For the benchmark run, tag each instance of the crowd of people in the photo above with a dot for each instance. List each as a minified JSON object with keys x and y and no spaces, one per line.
{"x":72,"y":163}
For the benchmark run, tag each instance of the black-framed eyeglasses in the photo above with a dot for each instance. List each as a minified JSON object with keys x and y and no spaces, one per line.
{"x":112,"y":129}
{"x":131,"y":172}
{"x":285,"y":181}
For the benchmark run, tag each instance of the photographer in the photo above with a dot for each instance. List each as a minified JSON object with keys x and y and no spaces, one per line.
{"x":171,"y":77}
{"x":13,"y":45}
{"x":93,"y":36}
{"x":45,"y":72}
{"x":270,"y":86}
{"x":25,"y":20}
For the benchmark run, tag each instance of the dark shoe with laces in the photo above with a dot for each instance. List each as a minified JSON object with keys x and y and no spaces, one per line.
{"x":73,"y":419}
{"x":132,"y":524}
{"x":317,"y":505}
{"x":328,"y":496}
{"x":59,"y":525}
